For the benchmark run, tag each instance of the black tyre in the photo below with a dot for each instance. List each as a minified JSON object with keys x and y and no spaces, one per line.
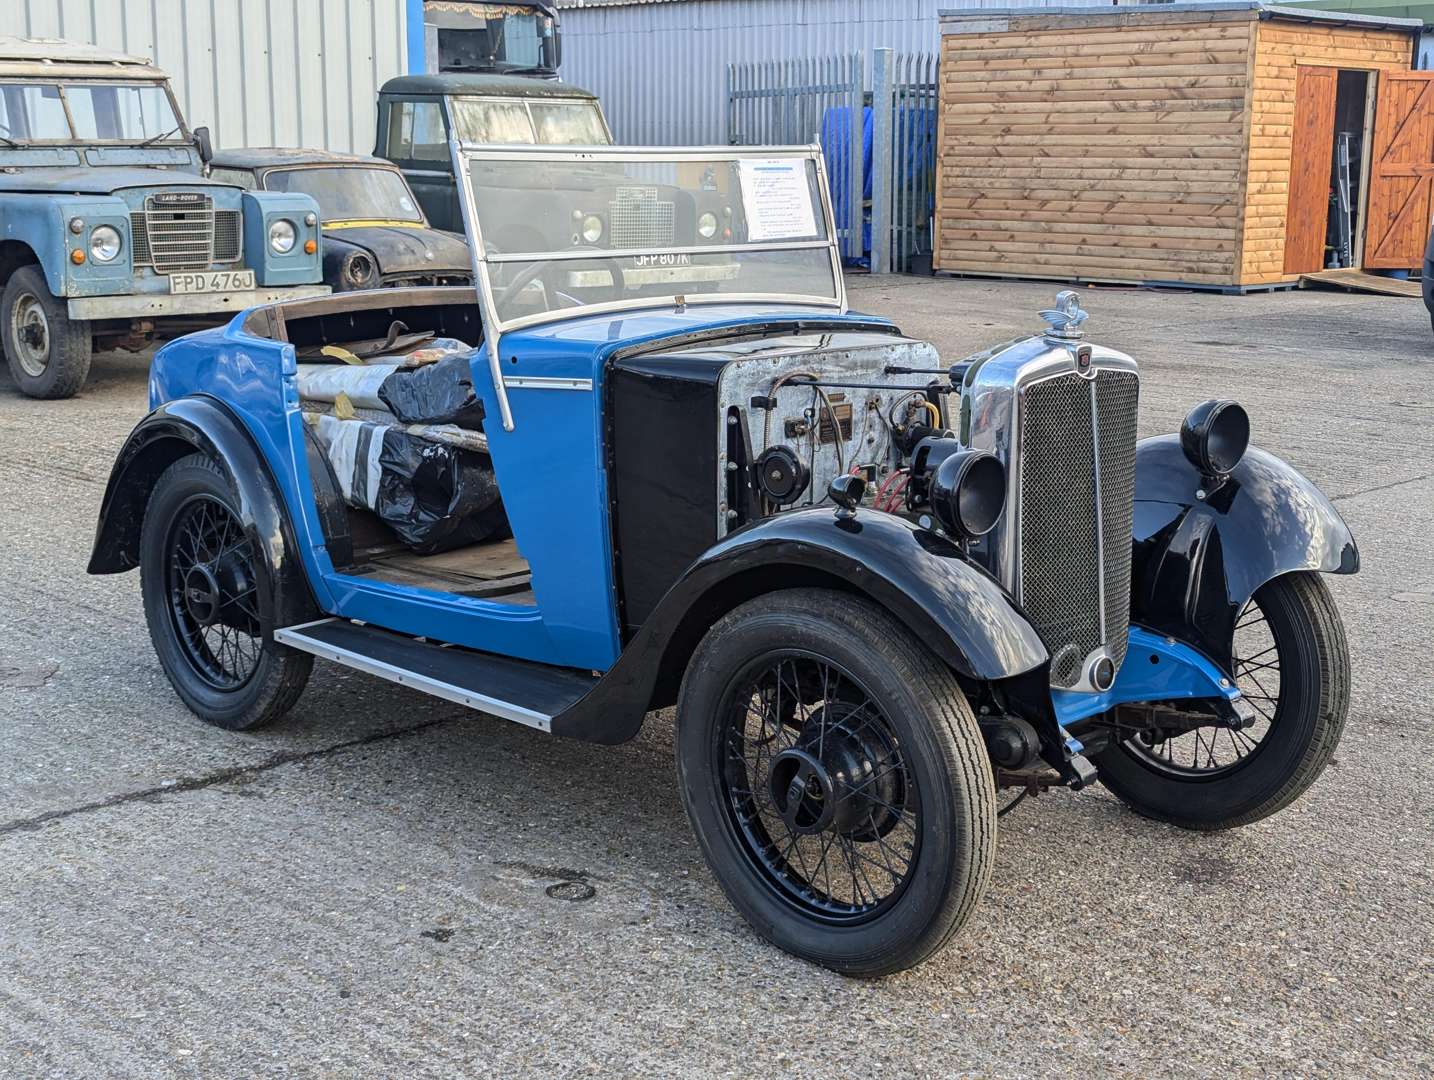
{"x":1292,"y":665}
{"x":209,"y":625}
{"x":48,"y":353}
{"x":836,"y":780}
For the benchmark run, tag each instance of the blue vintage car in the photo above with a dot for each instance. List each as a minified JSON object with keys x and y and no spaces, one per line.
{"x":878,"y":586}
{"x":109,"y":235}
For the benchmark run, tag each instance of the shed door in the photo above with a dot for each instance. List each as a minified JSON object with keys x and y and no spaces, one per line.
{"x":1311,"y":155}
{"x":1400,"y":172}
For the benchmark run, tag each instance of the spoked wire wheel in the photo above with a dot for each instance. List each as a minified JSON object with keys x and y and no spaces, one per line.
{"x":818,"y":788}
{"x":212,"y":593}
{"x":1215,"y":751}
{"x":1291,"y":661}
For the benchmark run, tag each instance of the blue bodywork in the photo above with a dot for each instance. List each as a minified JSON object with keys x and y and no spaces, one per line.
{"x":1155,"y":669}
{"x":559,"y":506}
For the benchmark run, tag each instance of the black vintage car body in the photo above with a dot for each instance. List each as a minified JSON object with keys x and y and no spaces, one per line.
{"x":375,"y":233}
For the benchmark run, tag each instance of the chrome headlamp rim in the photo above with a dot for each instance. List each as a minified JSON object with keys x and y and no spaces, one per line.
{"x":105,"y":244}
{"x":283,"y":236}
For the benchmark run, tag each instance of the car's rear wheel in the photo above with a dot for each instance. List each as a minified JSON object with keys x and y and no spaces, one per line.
{"x":1291,"y":663}
{"x":836,"y":780}
{"x":48,"y":352}
{"x":201,"y":587}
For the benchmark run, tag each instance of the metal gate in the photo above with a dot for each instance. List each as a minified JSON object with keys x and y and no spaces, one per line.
{"x":880,"y":145}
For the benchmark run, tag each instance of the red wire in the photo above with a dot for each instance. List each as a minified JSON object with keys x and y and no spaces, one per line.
{"x":897,"y":492}
{"x":886,"y":494}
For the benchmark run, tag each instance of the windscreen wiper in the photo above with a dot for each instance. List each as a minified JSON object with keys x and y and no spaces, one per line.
{"x":9,"y":142}
{"x":151,"y":141}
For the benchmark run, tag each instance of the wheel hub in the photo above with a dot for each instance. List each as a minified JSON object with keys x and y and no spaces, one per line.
{"x":201,"y":594}
{"x":32,"y":336}
{"x":802,"y":791}
{"x":833,"y":778}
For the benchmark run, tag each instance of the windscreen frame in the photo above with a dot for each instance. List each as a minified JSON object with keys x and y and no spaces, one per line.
{"x":464,"y":154}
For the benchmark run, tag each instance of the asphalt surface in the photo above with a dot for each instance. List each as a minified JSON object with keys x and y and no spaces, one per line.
{"x":363,"y":890}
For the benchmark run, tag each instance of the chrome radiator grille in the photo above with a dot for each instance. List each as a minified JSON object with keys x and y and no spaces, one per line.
{"x":638,"y":218}
{"x":180,"y":231}
{"x":1077,"y":475}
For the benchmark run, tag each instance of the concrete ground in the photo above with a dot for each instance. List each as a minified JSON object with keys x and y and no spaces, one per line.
{"x":364,"y":890}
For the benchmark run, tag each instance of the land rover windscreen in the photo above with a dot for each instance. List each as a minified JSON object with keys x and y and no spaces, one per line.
{"x":558,"y":228}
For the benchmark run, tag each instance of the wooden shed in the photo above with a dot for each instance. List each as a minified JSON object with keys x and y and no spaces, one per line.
{"x":1188,"y":143}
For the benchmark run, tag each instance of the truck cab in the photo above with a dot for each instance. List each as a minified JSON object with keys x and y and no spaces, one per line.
{"x":419,"y":114}
{"x":110,"y":233}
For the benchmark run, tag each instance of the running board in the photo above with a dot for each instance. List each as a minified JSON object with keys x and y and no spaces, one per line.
{"x":519,"y":690}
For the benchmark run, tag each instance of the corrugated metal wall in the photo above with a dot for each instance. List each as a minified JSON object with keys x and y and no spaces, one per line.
{"x":660,"y":67}
{"x":258,"y":72}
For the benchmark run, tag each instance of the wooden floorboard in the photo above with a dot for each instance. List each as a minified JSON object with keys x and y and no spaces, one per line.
{"x":1362,"y":281}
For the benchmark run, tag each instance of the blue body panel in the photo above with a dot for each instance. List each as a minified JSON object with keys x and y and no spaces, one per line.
{"x":1155,"y":669}
{"x":551,"y":469}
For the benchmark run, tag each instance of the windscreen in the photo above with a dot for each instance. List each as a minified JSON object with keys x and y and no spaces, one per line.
{"x":349,"y":193}
{"x":594,"y":229}
{"x":124,"y":113}
{"x":102,"y":112}
{"x":32,"y":112}
{"x":521,"y":122}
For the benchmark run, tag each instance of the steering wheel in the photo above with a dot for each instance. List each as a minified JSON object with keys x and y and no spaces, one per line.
{"x":525,"y":277}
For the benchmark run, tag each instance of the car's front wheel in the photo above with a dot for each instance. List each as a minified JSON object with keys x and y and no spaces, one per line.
{"x":1291,"y":663}
{"x":201,"y":588}
{"x":836,"y":780}
{"x":48,"y":352}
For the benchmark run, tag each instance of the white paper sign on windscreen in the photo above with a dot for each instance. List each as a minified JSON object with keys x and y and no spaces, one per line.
{"x":777,"y":200}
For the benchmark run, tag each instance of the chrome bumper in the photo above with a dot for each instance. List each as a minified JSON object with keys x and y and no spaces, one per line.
{"x":158,"y":305}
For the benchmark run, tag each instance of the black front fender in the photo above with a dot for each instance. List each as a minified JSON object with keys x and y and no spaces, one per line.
{"x":954,"y":606}
{"x":1199,"y":560}
{"x":173,"y":431}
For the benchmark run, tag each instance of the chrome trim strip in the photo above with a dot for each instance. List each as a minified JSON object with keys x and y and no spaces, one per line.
{"x":629,"y":253}
{"x":292,"y":637}
{"x":678,"y":301}
{"x":1099,"y":509}
{"x":539,"y":382}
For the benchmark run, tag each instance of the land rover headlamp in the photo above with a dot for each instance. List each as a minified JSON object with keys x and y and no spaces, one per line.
{"x":105,"y":244}
{"x":592,"y":229}
{"x":282,"y":236}
{"x":707,"y":225}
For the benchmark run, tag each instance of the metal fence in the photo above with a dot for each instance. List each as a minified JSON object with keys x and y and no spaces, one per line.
{"x":880,"y":145}
{"x":776,"y":102}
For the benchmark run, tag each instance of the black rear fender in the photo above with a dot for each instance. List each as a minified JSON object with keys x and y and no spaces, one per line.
{"x":176,"y":430}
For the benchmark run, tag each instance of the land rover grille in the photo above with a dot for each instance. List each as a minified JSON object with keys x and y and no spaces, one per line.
{"x":1076,"y":491}
{"x":638,"y":218}
{"x":179,"y":231}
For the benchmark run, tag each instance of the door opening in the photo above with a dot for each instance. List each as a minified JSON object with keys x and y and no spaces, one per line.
{"x":1349,"y":162}
{"x":1328,"y":169}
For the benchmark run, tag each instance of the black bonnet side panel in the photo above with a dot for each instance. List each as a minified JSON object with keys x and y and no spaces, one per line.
{"x":663,"y":439}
